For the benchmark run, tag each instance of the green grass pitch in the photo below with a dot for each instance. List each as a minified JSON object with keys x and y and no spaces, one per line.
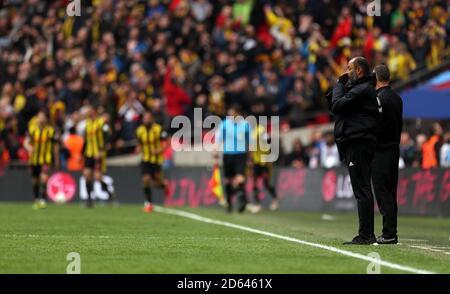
{"x":126,"y":240}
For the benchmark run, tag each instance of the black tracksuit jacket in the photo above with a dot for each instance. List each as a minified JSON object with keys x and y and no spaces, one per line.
{"x":356,"y":112}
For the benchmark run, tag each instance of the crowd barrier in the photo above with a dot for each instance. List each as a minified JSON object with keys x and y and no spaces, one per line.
{"x":420,"y":192}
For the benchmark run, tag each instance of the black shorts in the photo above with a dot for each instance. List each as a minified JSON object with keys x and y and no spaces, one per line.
{"x":36,"y":170}
{"x":93,"y":163}
{"x":262,"y":170}
{"x":148,"y":168}
{"x":234,"y":164}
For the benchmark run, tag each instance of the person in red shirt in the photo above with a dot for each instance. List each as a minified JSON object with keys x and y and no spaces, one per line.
{"x":177,"y":98}
{"x":343,"y":28}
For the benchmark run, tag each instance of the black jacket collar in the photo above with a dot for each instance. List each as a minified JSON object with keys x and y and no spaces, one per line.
{"x":383,"y":88}
{"x":365,"y":79}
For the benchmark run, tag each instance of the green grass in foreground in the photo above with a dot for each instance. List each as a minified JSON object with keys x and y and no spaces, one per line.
{"x":126,"y":240}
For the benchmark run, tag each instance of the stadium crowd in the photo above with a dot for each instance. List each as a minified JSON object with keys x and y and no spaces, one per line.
{"x":169,"y":56}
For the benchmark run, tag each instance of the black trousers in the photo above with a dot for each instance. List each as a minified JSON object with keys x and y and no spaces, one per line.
{"x":385,"y":180}
{"x":358,"y":156}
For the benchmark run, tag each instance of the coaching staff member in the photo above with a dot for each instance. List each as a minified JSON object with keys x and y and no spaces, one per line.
{"x":387,"y":154}
{"x":357,"y":119}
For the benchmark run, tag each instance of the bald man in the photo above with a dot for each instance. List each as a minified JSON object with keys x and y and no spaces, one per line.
{"x":357,"y":120}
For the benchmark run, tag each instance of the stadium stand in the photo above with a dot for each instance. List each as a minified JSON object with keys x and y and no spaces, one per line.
{"x":169,"y":56}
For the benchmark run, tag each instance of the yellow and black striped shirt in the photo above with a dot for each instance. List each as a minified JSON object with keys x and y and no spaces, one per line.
{"x":42,"y":140}
{"x":150,"y":139}
{"x":259,"y":133}
{"x":94,"y":137}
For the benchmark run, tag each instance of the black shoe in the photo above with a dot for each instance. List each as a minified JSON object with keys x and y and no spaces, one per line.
{"x":242,"y":206}
{"x":89,"y":204}
{"x":242,"y":202}
{"x":387,"y":240}
{"x":358,"y":240}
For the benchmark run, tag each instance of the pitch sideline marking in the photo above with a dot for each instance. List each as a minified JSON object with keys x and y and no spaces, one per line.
{"x":286,"y":238}
{"x":413,"y":240}
{"x":427,"y":248}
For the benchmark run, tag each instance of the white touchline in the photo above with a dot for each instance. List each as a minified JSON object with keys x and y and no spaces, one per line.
{"x":54,"y":236}
{"x":428,"y":248}
{"x":256,"y":231}
{"x":413,"y":240}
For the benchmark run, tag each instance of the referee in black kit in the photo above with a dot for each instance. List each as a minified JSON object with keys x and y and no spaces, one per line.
{"x":354,"y":104}
{"x":387,"y":154}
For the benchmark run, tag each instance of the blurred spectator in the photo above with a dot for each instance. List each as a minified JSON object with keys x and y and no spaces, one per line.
{"x":4,"y":156}
{"x":281,"y":27}
{"x":314,"y":149}
{"x":201,"y":10}
{"x":177,"y":98}
{"x":299,"y":101}
{"x":74,"y":145}
{"x":408,"y":152}
{"x":130,"y":113}
{"x":401,"y":63}
{"x":242,"y":10}
{"x":431,"y":148}
{"x":420,"y":140}
{"x":445,"y":151}
{"x":329,"y":155}
{"x":298,"y":157}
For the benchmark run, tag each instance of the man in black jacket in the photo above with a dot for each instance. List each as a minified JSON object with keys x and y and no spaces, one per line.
{"x":357,"y":119}
{"x":387,"y":154}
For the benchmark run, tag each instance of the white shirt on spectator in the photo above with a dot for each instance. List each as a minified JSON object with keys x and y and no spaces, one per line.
{"x":445,"y":155}
{"x":131,"y":111}
{"x":329,"y":156}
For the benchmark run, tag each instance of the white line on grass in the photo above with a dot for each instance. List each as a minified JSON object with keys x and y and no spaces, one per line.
{"x":35,"y":236}
{"x":53,"y":236}
{"x":413,"y":240}
{"x":317,"y":245}
{"x":428,"y":248}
